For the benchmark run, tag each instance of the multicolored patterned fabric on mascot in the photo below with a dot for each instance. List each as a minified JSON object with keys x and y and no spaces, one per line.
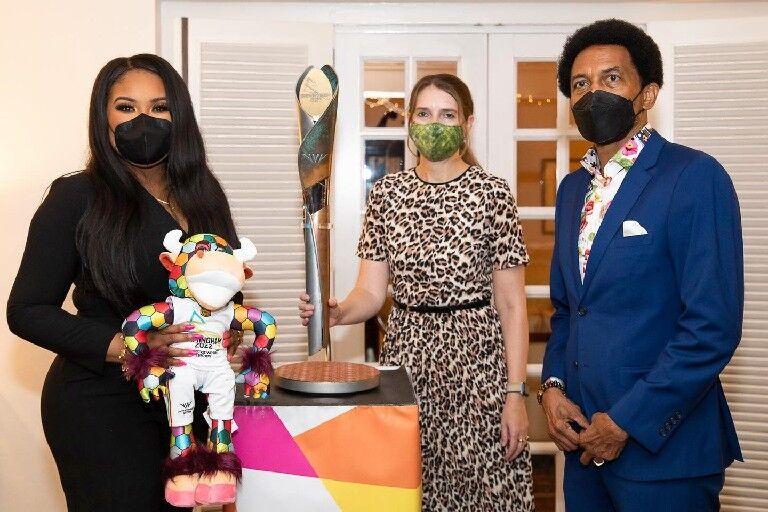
{"x":205,"y":273}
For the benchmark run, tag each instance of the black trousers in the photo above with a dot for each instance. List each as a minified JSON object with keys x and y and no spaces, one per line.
{"x":108,"y":445}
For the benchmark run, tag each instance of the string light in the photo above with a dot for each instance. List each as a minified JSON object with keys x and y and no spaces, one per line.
{"x":394,"y":107}
{"x":531,"y":100}
{"x":386,"y":103}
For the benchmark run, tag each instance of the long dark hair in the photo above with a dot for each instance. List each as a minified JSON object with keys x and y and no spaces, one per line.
{"x":454,"y":86}
{"x":113,"y":219}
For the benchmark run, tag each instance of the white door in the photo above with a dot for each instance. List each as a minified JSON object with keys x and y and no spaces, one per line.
{"x":376,"y":73}
{"x":715,"y":98}
{"x":242,"y":77}
{"x":533,"y":143}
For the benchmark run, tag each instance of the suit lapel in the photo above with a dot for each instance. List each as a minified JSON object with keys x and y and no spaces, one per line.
{"x":626,"y":197}
{"x":573,"y":223}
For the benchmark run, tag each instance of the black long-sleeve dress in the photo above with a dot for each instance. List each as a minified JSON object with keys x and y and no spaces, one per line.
{"x":108,"y":445}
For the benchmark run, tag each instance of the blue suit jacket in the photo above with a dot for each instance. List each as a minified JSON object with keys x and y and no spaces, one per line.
{"x":658,"y":316}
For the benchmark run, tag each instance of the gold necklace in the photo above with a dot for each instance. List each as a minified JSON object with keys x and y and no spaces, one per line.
{"x":166,"y":203}
{"x":172,"y":212}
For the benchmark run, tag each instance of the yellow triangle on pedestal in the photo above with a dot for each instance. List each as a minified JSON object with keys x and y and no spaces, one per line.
{"x":352,"y":497}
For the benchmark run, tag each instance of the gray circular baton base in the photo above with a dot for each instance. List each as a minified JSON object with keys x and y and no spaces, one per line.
{"x":326,"y":387}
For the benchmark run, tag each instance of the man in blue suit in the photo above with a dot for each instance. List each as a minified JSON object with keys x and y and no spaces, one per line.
{"x":647,"y":286}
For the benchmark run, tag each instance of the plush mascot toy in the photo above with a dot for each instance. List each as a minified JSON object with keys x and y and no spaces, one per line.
{"x":205,"y":273}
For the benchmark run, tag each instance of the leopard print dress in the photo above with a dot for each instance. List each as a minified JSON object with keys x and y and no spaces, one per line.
{"x":442,"y":242}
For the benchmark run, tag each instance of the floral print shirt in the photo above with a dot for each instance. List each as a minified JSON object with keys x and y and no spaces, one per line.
{"x":603,"y":188}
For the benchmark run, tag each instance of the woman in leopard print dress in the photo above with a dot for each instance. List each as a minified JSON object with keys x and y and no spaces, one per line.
{"x":446,"y":232}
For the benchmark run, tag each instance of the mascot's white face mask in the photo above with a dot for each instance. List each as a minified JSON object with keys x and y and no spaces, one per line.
{"x":213,"y":289}
{"x":213,"y":272}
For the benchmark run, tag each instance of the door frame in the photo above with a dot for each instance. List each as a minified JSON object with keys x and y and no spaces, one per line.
{"x":352,"y":48}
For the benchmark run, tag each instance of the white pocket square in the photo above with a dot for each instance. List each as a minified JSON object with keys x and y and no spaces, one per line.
{"x":633,"y":228}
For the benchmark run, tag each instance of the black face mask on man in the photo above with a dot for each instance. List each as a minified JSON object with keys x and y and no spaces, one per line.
{"x":603,"y":117}
{"x":143,"y":141}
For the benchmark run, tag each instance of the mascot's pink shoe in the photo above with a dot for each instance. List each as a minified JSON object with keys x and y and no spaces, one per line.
{"x":181,"y":478}
{"x":218,"y":483}
{"x":180,"y":490}
{"x":218,"y":489}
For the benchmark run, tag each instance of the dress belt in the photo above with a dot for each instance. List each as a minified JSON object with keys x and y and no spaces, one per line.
{"x":481,"y":303}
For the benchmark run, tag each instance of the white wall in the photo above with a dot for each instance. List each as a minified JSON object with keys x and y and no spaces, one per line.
{"x":50,"y":52}
{"x":362,"y":12}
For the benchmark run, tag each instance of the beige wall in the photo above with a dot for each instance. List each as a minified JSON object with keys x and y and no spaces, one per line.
{"x":50,"y":52}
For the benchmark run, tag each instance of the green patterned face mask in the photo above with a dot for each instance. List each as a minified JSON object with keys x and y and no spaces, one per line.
{"x":436,"y":141}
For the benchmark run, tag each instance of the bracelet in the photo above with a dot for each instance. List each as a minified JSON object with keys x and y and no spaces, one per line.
{"x":121,"y":355}
{"x":551,"y":383}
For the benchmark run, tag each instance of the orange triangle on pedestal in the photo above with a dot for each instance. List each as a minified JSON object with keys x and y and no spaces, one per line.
{"x":375,"y":445}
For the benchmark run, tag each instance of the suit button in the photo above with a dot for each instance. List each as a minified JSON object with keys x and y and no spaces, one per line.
{"x":582,"y":311}
{"x":575,"y":364}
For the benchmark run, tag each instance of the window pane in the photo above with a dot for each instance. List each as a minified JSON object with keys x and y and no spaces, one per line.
{"x":538,"y":320}
{"x":539,"y":241}
{"x":536,"y":95}
{"x":384,"y":93}
{"x":576,"y":150}
{"x":536,"y":419}
{"x":539,"y":313}
{"x":544,"y":483}
{"x":382,"y":157}
{"x":434,"y":67}
{"x":536,"y":173}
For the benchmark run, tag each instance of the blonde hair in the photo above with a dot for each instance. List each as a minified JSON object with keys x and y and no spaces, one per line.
{"x":459,"y":91}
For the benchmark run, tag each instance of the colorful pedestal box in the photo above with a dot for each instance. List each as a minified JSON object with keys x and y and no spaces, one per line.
{"x":349,"y":453}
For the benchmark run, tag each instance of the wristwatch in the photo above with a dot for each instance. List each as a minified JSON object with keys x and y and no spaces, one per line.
{"x":517,"y":387}
{"x":550,"y":383}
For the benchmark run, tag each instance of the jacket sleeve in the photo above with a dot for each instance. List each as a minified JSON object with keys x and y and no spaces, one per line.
{"x":48,"y":268}
{"x":704,"y":236}
{"x":554,"y":356}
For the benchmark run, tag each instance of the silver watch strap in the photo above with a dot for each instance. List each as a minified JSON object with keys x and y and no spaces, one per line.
{"x":517,"y":387}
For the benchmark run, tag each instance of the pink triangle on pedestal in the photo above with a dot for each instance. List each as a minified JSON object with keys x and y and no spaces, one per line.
{"x":262,"y":442}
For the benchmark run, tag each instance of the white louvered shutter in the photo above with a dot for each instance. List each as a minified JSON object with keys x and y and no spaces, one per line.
{"x":242,"y":77}
{"x":721,"y":107}
{"x":248,"y":120}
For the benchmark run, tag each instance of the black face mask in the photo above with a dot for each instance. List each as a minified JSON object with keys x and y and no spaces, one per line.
{"x":144,"y":140}
{"x":603,"y":117}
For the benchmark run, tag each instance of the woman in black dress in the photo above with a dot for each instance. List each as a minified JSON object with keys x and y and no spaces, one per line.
{"x":102,"y":229}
